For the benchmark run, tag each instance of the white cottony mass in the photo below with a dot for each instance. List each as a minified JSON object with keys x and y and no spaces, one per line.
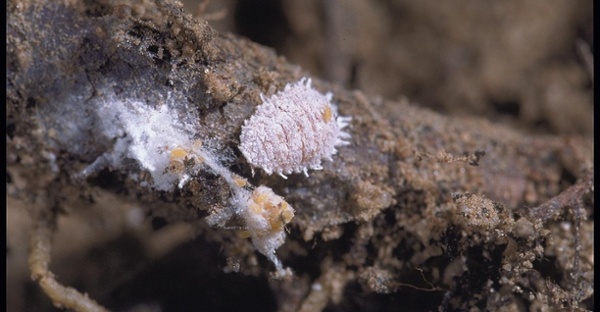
{"x":164,"y":146}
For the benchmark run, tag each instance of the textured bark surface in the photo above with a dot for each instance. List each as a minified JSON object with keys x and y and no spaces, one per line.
{"x":420,"y":211}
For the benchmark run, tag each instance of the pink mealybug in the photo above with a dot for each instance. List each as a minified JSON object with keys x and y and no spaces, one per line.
{"x":293,"y":130}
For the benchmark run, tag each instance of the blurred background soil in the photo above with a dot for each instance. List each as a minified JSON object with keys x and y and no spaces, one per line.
{"x":523,"y":64}
{"x":516,"y":62}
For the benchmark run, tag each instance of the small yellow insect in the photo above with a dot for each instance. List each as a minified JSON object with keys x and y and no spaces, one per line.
{"x":276,"y":211}
{"x":180,"y":155}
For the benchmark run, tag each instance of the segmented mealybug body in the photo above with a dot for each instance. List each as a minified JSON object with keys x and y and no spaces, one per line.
{"x":293,"y":130}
